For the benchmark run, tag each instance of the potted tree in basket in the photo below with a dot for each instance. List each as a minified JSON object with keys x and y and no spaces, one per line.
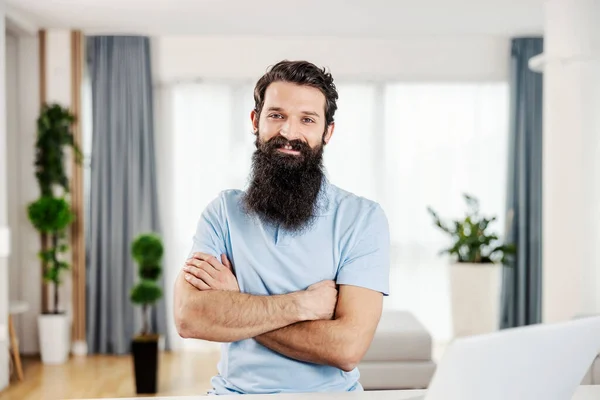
{"x":147,"y":250}
{"x":51,"y":215}
{"x":476,"y":271}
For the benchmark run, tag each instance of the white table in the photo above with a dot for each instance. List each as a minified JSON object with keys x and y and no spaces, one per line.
{"x":587,"y":392}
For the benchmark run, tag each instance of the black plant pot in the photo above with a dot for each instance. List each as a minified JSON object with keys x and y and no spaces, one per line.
{"x":145,"y":361}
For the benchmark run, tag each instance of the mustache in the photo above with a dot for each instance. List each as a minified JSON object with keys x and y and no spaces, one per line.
{"x":278,"y":142}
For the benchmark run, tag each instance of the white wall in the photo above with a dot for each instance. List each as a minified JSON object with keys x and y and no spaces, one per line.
{"x":415,"y":58}
{"x":23,"y":107}
{"x":3,"y":220}
{"x":58,"y":66}
{"x":571,"y":156}
{"x":25,"y":272}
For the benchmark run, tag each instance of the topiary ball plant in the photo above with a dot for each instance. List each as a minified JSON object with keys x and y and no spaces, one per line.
{"x":147,"y":250}
{"x":51,"y":216}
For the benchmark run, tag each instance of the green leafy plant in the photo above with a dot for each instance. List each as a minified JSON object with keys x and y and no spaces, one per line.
{"x":472,"y":240}
{"x":51,"y":214}
{"x":54,"y":133}
{"x":147,"y":251}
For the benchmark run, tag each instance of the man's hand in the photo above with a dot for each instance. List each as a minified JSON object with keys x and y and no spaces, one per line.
{"x":319,"y":300}
{"x":205,"y":272}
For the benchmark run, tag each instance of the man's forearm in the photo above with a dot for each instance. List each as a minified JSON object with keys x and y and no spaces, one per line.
{"x":226,"y":316}
{"x":327,"y":342}
{"x":341,"y":342}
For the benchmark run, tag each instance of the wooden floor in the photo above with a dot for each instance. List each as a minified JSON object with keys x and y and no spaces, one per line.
{"x":185,"y":373}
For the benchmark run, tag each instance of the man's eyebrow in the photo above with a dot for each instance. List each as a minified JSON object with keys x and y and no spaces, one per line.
{"x":314,"y":114}
{"x":279,"y":109}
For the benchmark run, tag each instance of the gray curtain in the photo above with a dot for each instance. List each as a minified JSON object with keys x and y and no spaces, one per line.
{"x":123,"y":190}
{"x":522,"y":278}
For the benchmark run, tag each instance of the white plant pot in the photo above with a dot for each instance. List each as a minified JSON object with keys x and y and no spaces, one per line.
{"x":475,"y":294}
{"x":55,"y":338}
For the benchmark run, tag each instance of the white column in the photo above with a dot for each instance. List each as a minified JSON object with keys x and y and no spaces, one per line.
{"x":4,"y":237}
{"x":571,"y":159}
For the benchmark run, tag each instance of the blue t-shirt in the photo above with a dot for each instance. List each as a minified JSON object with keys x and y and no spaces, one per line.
{"x":348,"y":243}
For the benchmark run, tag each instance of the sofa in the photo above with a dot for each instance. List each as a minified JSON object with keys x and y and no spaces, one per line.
{"x":400,"y":355}
{"x":593,"y":375}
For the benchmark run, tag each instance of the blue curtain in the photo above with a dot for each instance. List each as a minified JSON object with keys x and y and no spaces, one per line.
{"x":123,"y":198}
{"x":522,"y":278}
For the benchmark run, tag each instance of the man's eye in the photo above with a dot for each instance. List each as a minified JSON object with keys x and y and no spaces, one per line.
{"x":275,"y":116}
{"x":309,"y":120}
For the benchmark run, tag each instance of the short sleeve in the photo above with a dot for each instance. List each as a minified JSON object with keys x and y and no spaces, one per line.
{"x":367,"y":262}
{"x":210,"y":230}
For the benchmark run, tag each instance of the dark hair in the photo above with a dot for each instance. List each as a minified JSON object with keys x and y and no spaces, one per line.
{"x":302,"y":73}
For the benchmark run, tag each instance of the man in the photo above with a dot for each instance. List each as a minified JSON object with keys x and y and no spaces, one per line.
{"x":290,"y":274}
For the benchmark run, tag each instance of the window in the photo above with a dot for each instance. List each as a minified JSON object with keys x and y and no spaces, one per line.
{"x":350,"y":157}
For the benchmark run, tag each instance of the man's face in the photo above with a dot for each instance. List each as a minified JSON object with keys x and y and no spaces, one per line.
{"x":287,"y":166}
{"x":294,"y":112}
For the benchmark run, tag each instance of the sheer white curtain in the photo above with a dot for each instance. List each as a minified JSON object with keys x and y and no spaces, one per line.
{"x":405,"y":145}
{"x":350,"y":157}
{"x":441,"y":140}
{"x":206,"y":144}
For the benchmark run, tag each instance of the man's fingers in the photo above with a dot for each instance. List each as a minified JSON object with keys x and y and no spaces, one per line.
{"x":226,"y":262}
{"x":202,"y":272}
{"x":212,"y":260}
{"x":203,"y":265}
{"x":196,"y":282}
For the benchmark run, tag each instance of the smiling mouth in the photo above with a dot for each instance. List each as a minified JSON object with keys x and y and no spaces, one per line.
{"x":288,"y":150}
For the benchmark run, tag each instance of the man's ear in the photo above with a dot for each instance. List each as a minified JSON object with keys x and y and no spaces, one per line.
{"x":328,"y":133}
{"x":254,"y":118}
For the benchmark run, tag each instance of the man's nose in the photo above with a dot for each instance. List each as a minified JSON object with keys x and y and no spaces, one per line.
{"x":290,"y":130}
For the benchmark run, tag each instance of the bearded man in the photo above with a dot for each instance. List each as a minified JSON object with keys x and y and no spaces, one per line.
{"x":289,"y":275}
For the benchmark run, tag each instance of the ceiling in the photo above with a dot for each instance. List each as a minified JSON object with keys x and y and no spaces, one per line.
{"x":365,"y":18}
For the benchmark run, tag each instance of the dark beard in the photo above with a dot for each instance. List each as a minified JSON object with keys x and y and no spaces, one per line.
{"x":284,"y":188}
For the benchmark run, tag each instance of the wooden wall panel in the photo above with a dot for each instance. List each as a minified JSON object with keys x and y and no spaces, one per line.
{"x":77,"y":200}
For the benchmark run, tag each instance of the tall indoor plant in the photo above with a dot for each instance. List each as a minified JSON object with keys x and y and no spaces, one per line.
{"x":475,"y":274}
{"x":51,"y":215}
{"x":147,"y":251}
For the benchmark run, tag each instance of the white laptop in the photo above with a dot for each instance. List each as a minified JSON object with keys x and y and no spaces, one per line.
{"x":544,"y":361}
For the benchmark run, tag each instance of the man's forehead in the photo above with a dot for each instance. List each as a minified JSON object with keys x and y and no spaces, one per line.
{"x":286,"y":94}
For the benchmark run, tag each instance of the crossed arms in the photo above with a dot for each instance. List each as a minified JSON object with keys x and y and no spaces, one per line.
{"x":320,"y":324}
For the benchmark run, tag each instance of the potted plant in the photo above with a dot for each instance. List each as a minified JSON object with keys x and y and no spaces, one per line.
{"x":51,"y":215}
{"x":475,"y":274}
{"x":147,"y":250}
